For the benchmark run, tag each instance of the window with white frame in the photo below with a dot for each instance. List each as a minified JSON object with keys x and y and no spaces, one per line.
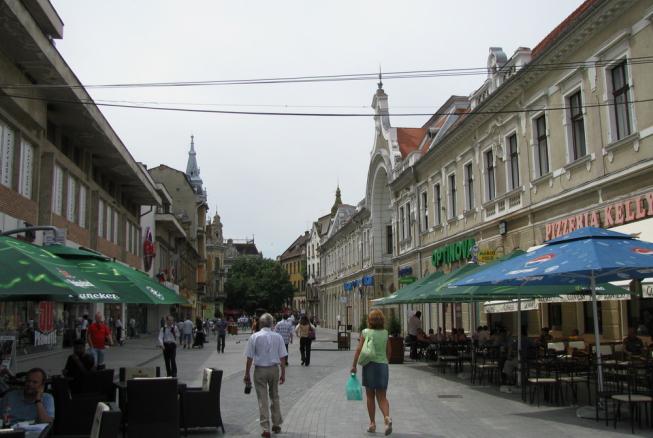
{"x":57,"y":190}
{"x":81,"y":210}
{"x":70,"y":199}
{"x":424,"y":211}
{"x":402,"y":223}
{"x":513,"y":162}
{"x":437,"y":204}
{"x":621,"y":103}
{"x":541,"y":146}
{"x":469,"y":187}
{"x":7,"y":137}
{"x":26,"y":169}
{"x":452,"y":196}
{"x":100,"y":218}
{"x":576,"y":126}
{"x":128,"y":236}
{"x":490,"y":182}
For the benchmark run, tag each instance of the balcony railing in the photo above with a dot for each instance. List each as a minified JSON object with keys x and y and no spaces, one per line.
{"x":507,"y":203}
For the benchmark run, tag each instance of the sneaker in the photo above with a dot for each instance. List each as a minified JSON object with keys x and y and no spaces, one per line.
{"x":276,"y":429}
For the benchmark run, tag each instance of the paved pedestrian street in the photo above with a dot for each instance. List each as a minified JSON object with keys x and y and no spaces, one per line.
{"x":423,"y":402}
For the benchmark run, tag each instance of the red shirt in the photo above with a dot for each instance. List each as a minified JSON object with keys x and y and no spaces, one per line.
{"x":98,"y":333}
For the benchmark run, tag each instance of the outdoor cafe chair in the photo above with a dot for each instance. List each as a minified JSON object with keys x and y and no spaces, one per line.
{"x":542,"y":381}
{"x":485,"y":365}
{"x":200,"y":407}
{"x":74,"y":412}
{"x":614,"y":379}
{"x":127,"y":373}
{"x":106,"y":423}
{"x":448,"y":354}
{"x":573,"y":374}
{"x":153,"y":408}
{"x":638,"y":394}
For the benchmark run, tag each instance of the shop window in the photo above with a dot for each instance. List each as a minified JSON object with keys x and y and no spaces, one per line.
{"x":555,"y":315}
{"x":589,"y":317}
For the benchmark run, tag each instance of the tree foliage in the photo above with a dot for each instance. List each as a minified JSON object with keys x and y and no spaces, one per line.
{"x":257,"y":283}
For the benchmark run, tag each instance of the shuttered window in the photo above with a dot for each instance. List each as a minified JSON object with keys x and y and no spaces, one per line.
{"x":26,"y":169}
{"x":7,"y":137}
{"x":57,"y":190}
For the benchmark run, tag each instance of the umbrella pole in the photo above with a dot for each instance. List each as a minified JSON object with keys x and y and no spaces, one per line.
{"x":597,"y":335}
{"x":519,"y":342}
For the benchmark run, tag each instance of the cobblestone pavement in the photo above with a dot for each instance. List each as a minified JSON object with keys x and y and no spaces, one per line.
{"x":423,"y":402}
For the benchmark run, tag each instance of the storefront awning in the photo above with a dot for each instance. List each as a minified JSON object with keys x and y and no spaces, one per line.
{"x":513,"y":305}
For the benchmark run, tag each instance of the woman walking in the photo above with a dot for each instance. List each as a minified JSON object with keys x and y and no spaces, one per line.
{"x":303,"y":332}
{"x":375,"y":372}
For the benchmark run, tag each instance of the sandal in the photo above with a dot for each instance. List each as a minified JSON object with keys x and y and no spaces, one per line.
{"x":388,"y":425}
{"x":371,"y":428}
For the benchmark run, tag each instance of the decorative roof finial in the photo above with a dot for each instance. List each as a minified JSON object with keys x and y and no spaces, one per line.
{"x":380,"y":84}
{"x":192,"y":143}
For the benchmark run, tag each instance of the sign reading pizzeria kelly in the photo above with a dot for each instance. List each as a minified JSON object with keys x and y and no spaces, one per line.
{"x":617,"y":213}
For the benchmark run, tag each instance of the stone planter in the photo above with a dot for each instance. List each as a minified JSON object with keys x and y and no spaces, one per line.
{"x":396,"y":349}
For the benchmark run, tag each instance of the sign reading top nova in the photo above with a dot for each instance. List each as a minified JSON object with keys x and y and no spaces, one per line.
{"x":617,"y":213}
{"x":453,"y":252}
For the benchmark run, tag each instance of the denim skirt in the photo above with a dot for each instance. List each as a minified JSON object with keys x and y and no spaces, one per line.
{"x":375,"y":375}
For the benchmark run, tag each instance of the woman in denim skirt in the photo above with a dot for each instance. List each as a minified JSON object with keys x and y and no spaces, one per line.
{"x":375,"y":372}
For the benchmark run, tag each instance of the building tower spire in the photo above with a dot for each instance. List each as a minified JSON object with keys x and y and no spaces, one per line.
{"x":380,"y":84}
{"x":193,"y":170}
{"x":337,"y":203}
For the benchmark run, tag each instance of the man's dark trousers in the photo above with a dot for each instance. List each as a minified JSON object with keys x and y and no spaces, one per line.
{"x":221,"y":342}
{"x":170,"y":358}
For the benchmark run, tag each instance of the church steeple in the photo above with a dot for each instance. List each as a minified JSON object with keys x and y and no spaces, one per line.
{"x":337,"y":203}
{"x":193,"y":171}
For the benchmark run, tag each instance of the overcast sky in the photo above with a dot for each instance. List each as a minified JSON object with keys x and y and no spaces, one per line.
{"x":271,"y":176}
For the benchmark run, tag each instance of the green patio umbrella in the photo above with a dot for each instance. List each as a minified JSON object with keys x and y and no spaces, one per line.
{"x":135,"y":285}
{"x":404,"y":294}
{"x":29,"y":272}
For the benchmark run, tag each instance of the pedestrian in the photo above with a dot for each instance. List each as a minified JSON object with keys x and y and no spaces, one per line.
{"x":187,"y":333}
{"x":375,"y":372}
{"x":303,"y":332}
{"x":414,"y":324}
{"x":168,"y":342}
{"x":118,"y":324}
{"x":221,"y":327}
{"x":255,"y":327}
{"x":284,"y":328}
{"x":83,"y":327}
{"x":163,"y":322}
{"x":265,"y":349}
{"x":132,"y":327}
{"x":98,"y":337}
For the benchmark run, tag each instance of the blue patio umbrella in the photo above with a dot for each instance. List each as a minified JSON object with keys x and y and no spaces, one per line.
{"x":581,"y":258}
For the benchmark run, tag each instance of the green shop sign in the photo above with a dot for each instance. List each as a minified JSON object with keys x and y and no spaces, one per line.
{"x":407,"y":280}
{"x":453,"y":252}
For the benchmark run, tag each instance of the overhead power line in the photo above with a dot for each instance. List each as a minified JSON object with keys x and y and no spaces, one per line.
{"x":408,"y":74}
{"x":301,"y":114}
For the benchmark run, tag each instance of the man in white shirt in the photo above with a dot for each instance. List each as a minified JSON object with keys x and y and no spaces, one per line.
{"x":284,"y":328}
{"x":414,"y":324}
{"x":168,"y":342}
{"x":267,"y":351}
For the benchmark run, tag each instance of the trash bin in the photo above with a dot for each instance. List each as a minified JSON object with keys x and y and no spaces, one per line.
{"x":344,"y":341}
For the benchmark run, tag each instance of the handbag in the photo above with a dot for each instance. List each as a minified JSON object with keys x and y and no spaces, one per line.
{"x":353,"y":388}
{"x":311,"y":333}
{"x":368,"y":352}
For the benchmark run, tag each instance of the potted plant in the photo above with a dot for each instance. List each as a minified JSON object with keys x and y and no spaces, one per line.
{"x":396,"y":341}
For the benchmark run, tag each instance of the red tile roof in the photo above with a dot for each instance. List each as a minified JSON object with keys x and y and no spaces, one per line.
{"x":409,"y":139}
{"x":559,"y":29}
